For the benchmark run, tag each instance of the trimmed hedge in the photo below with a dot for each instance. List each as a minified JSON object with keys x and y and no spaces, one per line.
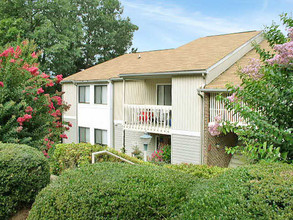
{"x":67,"y":156}
{"x":113,"y":191}
{"x":24,"y":171}
{"x":200,"y":171}
{"x":262,"y":191}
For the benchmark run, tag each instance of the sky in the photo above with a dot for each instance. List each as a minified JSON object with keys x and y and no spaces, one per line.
{"x":167,"y":24}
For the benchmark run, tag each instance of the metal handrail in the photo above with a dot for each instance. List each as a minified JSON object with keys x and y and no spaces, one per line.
{"x":111,"y":154}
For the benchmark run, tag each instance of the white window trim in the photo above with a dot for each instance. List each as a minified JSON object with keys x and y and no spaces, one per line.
{"x":81,"y":85}
{"x":162,"y":84}
{"x":95,"y":94}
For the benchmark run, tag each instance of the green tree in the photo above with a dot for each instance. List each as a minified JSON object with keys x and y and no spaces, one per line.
{"x":265,"y":98}
{"x":72,"y":34}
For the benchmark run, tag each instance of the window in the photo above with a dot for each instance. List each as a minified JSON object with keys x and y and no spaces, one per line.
{"x":164,"y":95}
{"x":101,"y":137}
{"x":84,"y":135}
{"x":101,"y":95}
{"x":84,"y":94}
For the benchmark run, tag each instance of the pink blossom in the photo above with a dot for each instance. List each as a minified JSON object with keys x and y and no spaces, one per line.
{"x":69,"y":124}
{"x":33,"y":70}
{"x":45,"y":76}
{"x":252,"y":70}
{"x":1,"y":84}
{"x":40,"y":90}
{"x":19,"y":129}
{"x":29,"y":109}
{"x":17,"y":52}
{"x":12,"y":61}
{"x":50,"y":84}
{"x":36,"y":98}
{"x":7,"y":52}
{"x":284,"y":56}
{"x":57,"y":113}
{"x":34,"y":55}
{"x":58,"y":99}
{"x":218,"y":118}
{"x":59,"y":78}
{"x":213,"y":128}
{"x":63,"y":136}
{"x":232,"y":98}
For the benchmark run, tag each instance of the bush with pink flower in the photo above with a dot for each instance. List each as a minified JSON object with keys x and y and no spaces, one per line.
{"x":265,"y":98}
{"x":29,"y":112}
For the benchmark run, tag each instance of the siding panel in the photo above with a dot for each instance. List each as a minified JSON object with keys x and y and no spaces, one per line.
{"x":118,"y":136}
{"x":118,"y":100}
{"x":186,"y":103}
{"x":186,"y":149}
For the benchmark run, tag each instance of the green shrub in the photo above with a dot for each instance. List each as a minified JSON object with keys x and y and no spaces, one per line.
{"x":262,"y":191}
{"x":113,"y":191}
{"x":66,"y":156}
{"x":201,"y":171}
{"x":24,"y":171}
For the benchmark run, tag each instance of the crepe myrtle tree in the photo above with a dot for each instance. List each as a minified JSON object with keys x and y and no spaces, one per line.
{"x":28,"y":114}
{"x":265,"y":101}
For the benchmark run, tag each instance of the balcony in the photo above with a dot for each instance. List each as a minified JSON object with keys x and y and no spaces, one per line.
{"x":217,"y":108}
{"x":148,"y":118}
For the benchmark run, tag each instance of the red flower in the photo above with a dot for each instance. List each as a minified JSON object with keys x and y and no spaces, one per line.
{"x":63,"y":136}
{"x":59,"y":78}
{"x":58,"y":99}
{"x":56,"y":114}
{"x":20,"y":120}
{"x":50,"y":84}
{"x":45,"y":76}
{"x":7,"y":52}
{"x":29,"y":109}
{"x":40,"y":90}
{"x":33,"y":70}
{"x":69,"y":124}
{"x":34,"y":55}
{"x":12,"y":61}
{"x":1,"y":84}
{"x":17,"y":52}
{"x":36,"y":98}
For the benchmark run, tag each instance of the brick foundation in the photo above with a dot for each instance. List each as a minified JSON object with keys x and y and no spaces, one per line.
{"x":214,"y":147}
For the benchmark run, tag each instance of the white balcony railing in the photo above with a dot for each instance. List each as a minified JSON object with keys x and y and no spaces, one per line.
{"x":149,"y":118}
{"x":217,"y":108}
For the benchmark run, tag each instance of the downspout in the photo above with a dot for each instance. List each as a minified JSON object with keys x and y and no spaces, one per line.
{"x":111,"y":113}
{"x":76,"y":112}
{"x":202,"y":126}
{"x":123,"y":112}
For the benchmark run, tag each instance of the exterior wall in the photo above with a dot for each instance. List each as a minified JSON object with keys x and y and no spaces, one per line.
{"x":118,"y":101}
{"x":212,"y":155}
{"x":132,"y":138}
{"x":186,"y":103}
{"x":70,"y":96}
{"x":143,"y":92}
{"x":95,"y":116}
{"x":185,"y":149}
{"x":118,"y":136}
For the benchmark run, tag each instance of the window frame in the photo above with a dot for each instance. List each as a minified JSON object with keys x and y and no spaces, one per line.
{"x":157,"y":90}
{"x":79,"y":132}
{"x":101,"y":97}
{"x":102,"y":130}
{"x":85,"y":86}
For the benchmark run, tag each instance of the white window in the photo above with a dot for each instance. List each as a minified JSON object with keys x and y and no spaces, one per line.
{"x":101,"y":137}
{"x":84,"y":135}
{"x":101,"y":95}
{"x":164,"y":95}
{"x":84,"y":94}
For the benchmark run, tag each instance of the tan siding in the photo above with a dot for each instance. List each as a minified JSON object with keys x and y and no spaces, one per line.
{"x":143,"y":92}
{"x":72,"y":134}
{"x":70,"y":97}
{"x":185,"y":149}
{"x":118,"y":100}
{"x":118,"y":136}
{"x":186,"y":103}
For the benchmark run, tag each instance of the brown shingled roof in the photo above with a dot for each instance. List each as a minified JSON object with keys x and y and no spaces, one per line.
{"x":231,"y":74}
{"x":197,"y":55}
